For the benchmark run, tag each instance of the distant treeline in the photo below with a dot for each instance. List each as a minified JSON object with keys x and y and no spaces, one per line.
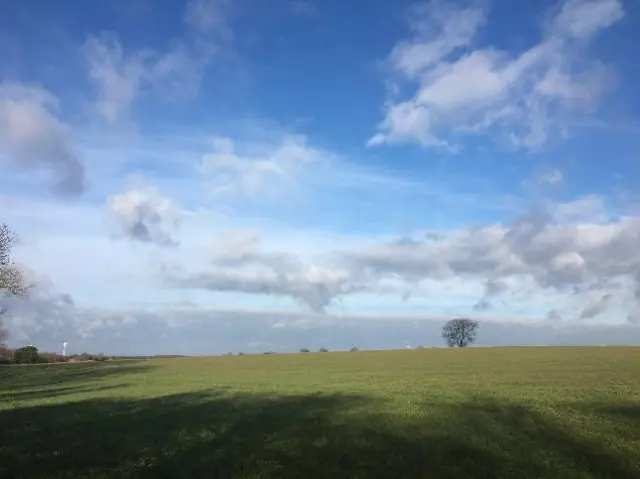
{"x":31,"y":355}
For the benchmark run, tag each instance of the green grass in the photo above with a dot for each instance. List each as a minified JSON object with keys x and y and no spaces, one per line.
{"x":433,"y":413}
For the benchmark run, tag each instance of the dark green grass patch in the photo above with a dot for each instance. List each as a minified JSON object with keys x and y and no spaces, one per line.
{"x":494,"y":413}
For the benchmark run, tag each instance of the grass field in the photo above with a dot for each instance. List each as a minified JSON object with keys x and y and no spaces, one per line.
{"x":433,"y":413}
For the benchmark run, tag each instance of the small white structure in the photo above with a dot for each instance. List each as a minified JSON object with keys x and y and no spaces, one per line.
{"x":64,"y":348}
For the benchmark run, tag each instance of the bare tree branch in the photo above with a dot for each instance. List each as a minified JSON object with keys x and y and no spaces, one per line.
{"x":12,"y":280}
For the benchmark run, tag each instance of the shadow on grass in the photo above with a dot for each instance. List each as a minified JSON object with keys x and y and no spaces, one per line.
{"x":628,"y":412}
{"x":44,"y":375}
{"x":34,"y":382}
{"x":315,"y":436}
{"x":38,"y":394}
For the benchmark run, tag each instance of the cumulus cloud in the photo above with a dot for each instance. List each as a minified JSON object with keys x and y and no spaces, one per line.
{"x":596,"y":306}
{"x":246,"y":174}
{"x":541,"y":254}
{"x":33,"y":139}
{"x":239,"y":265}
{"x":144,"y":215}
{"x":567,"y":258}
{"x":238,"y":247}
{"x":527,"y":98}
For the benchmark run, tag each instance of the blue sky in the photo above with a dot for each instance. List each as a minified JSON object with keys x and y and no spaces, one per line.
{"x":253,"y":175}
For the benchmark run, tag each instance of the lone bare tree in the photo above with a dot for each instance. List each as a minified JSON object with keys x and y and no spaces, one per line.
{"x":12,"y":280}
{"x":459,"y":332}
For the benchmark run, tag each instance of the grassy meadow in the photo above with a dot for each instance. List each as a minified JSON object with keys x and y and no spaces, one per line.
{"x":432,"y":413}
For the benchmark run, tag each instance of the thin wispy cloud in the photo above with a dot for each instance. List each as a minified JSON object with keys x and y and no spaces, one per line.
{"x":121,"y":75}
{"x":262,"y":167}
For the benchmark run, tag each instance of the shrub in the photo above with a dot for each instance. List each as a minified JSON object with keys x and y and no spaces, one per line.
{"x":304,"y":350}
{"x":324,"y":350}
{"x":52,"y":358}
{"x":353,"y":349}
{"x":6,"y":356}
{"x":26,"y":355}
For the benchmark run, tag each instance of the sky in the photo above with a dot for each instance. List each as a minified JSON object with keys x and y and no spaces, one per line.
{"x":221,"y":176}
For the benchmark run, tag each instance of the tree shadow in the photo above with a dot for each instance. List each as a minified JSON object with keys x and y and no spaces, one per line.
{"x":629,"y":412}
{"x":217,"y":435}
{"x":32,"y":382}
{"x":38,"y":394}
{"x":44,"y":375}
{"x":543,"y":445}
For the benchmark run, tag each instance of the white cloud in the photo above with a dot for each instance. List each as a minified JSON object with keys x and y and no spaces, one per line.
{"x":585,"y":18}
{"x":544,"y":181}
{"x":176,"y":74}
{"x":553,"y":177}
{"x":33,"y":139}
{"x":535,"y":266}
{"x":589,"y":208}
{"x":117,"y":77}
{"x":120,"y":78}
{"x":145,"y":215}
{"x":566,"y":258}
{"x":262,"y":169}
{"x":527,"y":98}
{"x":242,"y":247}
{"x":538,"y":255}
{"x":439,"y":29}
{"x":239,"y":265}
{"x":208,"y":17}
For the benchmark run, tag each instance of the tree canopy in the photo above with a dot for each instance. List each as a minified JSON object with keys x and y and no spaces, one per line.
{"x":460,"y":332}
{"x":26,"y":355}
